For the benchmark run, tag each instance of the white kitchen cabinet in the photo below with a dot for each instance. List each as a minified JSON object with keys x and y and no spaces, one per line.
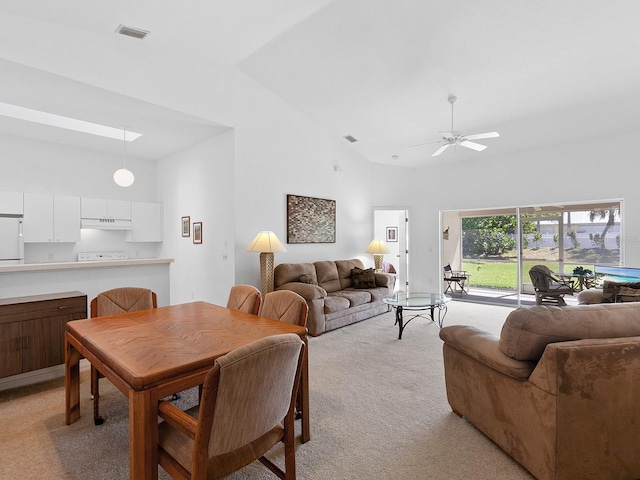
{"x":51,"y":218}
{"x":102,"y":208}
{"x":148,"y":222}
{"x":11,"y":203}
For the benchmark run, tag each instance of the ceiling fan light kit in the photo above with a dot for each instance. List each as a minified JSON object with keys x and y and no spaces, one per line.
{"x":456,"y":138}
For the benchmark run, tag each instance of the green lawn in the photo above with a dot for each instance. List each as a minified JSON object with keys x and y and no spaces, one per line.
{"x":503,"y":274}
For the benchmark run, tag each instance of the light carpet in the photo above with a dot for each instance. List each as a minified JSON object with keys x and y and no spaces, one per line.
{"x":378,"y":411}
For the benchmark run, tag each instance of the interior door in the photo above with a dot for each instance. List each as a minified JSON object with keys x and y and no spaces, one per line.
{"x":386,"y":221}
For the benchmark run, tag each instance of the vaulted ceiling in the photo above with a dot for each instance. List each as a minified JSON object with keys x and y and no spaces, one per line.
{"x":540,"y":73}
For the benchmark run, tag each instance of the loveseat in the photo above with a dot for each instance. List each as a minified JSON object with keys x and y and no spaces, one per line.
{"x":559,"y":390}
{"x":338,"y":293}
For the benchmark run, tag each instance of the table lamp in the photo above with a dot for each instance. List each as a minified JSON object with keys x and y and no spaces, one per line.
{"x":378,"y":248}
{"x":266,"y":243}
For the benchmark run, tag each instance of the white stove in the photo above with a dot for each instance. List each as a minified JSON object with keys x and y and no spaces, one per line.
{"x":102,"y":256}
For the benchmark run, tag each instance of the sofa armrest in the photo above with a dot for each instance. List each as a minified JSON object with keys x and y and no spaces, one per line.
{"x":385,"y":280}
{"x":305,"y":290}
{"x":590,"y":296}
{"x":483,"y":347}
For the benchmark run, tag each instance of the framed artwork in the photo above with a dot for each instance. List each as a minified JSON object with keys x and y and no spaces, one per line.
{"x":310,"y":220}
{"x":197,"y":232}
{"x":186,"y":226}
{"x":392,"y":234}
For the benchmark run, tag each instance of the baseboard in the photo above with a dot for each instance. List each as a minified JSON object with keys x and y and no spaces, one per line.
{"x":37,"y":376}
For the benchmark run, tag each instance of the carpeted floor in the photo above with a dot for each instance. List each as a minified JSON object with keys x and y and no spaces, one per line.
{"x":378,"y":411}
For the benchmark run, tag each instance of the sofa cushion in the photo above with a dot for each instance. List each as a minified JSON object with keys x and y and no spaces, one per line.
{"x":355,"y":297}
{"x":327,"y":276}
{"x":527,"y":330}
{"x":335,"y":303}
{"x":344,"y":271}
{"x":363,"y":278}
{"x":291,"y":272}
{"x":610,"y":289}
{"x":627,"y":294}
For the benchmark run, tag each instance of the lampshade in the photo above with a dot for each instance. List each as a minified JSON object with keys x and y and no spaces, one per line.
{"x":124,"y":177}
{"x":266,"y":242}
{"x":377,"y":247}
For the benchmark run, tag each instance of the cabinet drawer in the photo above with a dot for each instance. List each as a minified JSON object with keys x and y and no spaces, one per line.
{"x":39,"y":306}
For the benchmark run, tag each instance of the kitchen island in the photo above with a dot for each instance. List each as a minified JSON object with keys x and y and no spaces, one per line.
{"x":90,"y":278}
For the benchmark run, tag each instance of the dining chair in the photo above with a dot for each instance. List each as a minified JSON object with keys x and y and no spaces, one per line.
{"x":246,"y":408}
{"x":285,"y":306}
{"x":244,"y":298}
{"x":290,"y":307}
{"x":113,"y":302}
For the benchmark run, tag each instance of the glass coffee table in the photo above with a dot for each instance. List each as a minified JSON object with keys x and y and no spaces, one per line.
{"x":427,"y":302}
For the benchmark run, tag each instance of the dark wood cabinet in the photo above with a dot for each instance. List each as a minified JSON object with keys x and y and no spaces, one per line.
{"x":32,"y":330}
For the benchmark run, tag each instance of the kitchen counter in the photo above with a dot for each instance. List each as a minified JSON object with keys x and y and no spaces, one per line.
{"x":37,"y":267}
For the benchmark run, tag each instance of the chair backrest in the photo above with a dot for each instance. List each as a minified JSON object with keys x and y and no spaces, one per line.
{"x":249,"y":391}
{"x":541,"y":277}
{"x":244,"y":298}
{"x":388,"y":267}
{"x":286,"y":306}
{"x":122,"y":300}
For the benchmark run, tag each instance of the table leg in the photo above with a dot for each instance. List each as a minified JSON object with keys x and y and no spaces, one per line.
{"x":71,"y":381}
{"x":143,"y":434}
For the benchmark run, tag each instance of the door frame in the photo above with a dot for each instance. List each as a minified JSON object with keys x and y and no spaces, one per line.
{"x":402,"y":258}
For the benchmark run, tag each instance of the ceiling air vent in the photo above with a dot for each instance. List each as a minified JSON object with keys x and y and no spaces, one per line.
{"x":132,"y":32}
{"x":351,"y":138}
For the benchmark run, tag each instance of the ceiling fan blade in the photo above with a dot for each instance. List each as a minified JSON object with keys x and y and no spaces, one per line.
{"x":440,"y":150}
{"x":479,"y":136}
{"x":473,"y":145}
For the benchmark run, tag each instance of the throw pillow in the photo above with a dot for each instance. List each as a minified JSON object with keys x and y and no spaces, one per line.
{"x":308,"y":279}
{"x":627,"y":294}
{"x":363,"y":278}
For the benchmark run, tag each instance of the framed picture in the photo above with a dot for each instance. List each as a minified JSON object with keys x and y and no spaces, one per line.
{"x":197,"y":232}
{"x":392,"y":234}
{"x":310,"y":220}
{"x":186,"y":226}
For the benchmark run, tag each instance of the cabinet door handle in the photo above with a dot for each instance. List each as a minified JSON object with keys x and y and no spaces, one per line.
{"x":25,"y":343}
{"x":62,"y":307}
{"x":17,"y":344}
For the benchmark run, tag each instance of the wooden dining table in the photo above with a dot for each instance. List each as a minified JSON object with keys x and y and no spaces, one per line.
{"x":153,"y":353}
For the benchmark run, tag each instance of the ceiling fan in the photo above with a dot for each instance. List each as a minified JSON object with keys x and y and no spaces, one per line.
{"x":456,"y":138}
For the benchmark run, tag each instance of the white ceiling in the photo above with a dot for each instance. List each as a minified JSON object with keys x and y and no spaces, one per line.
{"x":540,"y":73}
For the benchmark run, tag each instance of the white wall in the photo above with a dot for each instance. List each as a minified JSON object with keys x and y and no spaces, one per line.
{"x":199,"y":183}
{"x":278,"y":152}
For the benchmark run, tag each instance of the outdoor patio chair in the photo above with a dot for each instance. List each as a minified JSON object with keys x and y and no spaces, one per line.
{"x":548,"y":287}
{"x":455,"y":280}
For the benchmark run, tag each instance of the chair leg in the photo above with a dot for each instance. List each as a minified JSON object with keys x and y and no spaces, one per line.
{"x":95,"y":392}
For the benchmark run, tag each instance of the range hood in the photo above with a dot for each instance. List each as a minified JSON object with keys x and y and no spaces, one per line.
{"x":106,"y":224}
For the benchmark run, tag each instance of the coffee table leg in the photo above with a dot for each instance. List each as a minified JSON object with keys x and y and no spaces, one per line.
{"x":399,"y":322}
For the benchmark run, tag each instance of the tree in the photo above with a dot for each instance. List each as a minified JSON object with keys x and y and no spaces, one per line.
{"x":610,"y":216}
{"x":494,"y":235}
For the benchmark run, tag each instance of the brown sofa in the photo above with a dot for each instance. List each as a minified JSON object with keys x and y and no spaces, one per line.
{"x":329,"y":289}
{"x":559,"y":390}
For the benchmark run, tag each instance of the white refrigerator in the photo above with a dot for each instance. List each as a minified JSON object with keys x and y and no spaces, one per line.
{"x":11,"y":241}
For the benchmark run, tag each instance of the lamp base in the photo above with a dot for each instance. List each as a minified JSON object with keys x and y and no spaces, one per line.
{"x":266,"y":272}
{"x":377,"y":261}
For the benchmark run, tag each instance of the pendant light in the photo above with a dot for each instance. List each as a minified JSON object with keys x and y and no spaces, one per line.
{"x":124,"y":177}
